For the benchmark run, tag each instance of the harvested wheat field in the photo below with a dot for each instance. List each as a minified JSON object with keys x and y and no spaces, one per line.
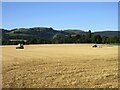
{"x":60,"y":66}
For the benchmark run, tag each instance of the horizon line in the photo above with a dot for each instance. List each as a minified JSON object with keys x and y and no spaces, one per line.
{"x":95,"y":30}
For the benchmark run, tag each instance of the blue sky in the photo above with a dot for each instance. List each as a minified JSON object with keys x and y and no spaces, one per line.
{"x":96,"y":16}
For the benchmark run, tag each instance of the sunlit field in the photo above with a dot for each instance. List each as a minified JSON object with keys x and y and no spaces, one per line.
{"x":60,"y":66}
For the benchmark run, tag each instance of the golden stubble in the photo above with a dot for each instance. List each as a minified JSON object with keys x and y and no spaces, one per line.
{"x":60,"y":66}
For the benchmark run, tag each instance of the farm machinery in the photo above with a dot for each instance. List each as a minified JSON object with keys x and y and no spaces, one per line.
{"x":20,"y":46}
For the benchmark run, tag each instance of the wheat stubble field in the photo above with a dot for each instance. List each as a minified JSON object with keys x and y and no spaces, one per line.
{"x":60,"y":66}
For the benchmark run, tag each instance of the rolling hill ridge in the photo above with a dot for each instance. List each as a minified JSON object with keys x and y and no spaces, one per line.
{"x":48,"y":33}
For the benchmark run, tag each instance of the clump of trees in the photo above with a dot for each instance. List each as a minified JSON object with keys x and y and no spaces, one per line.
{"x":60,"y":39}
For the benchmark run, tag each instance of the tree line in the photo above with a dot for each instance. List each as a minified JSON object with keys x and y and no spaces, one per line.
{"x":61,"y":39}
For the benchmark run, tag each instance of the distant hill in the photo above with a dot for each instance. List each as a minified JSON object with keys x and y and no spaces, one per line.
{"x":71,"y":31}
{"x":26,"y":33}
{"x":47,"y":33}
{"x":107,"y":33}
